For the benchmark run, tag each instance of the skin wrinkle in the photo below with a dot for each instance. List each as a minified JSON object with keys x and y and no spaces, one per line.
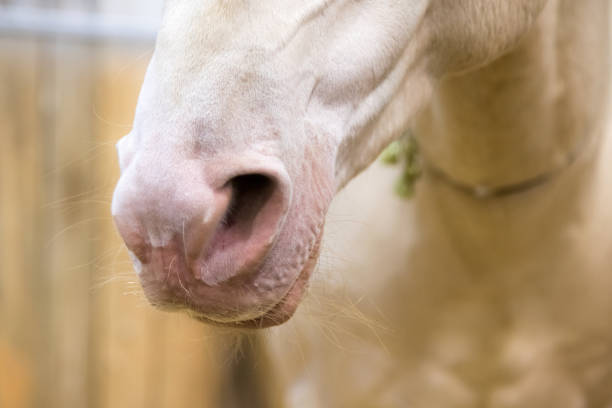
{"x":302,"y":22}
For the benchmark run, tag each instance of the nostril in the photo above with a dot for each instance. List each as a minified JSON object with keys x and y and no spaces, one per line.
{"x":249,"y":225}
{"x":250,"y":193}
{"x":251,"y":221}
{"x":219,"y":231}
{"x":248,"y":228}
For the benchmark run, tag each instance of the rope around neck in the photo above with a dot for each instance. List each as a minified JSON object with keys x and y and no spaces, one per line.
{"x":405,"y":151}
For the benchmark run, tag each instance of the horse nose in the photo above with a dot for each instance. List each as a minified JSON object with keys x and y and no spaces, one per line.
{"x":204,"y":233}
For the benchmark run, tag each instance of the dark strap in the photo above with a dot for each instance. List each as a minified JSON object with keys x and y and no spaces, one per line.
{"x":246,"y":378}
{"x":486,"y":192}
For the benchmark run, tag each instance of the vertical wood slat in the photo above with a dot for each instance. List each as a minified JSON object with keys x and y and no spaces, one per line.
{"x":69,"y":247}
{"x":19,"y":181}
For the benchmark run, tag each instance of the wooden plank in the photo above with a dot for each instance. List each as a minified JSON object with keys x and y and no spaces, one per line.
{"x":23,"y":290}
{"x":69,"y":245}
{"x":16,"y":343}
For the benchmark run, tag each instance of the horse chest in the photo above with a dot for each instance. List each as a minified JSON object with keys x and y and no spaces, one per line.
{"x":478,"y":354}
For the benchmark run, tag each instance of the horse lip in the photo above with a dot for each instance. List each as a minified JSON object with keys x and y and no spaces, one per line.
{"x":275,"y":314}
{"x":282,"y":310}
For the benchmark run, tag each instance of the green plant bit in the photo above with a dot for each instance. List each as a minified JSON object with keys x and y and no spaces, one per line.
{"x":405,"y":152}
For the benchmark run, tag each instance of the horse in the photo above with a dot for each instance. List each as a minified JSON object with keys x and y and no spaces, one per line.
{"x":490,"y":290}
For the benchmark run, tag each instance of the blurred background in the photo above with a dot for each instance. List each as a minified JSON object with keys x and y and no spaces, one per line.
{"x":74,"y":329}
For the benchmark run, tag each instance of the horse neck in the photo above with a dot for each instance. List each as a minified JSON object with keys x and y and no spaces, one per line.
{"x":513,"y":120}
{"x":523,"y":114}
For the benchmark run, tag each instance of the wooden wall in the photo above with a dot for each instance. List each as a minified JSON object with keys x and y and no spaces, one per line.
{"x":75,"y":330}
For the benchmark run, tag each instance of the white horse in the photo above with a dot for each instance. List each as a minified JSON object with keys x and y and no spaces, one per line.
{"x":253,"y":114}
